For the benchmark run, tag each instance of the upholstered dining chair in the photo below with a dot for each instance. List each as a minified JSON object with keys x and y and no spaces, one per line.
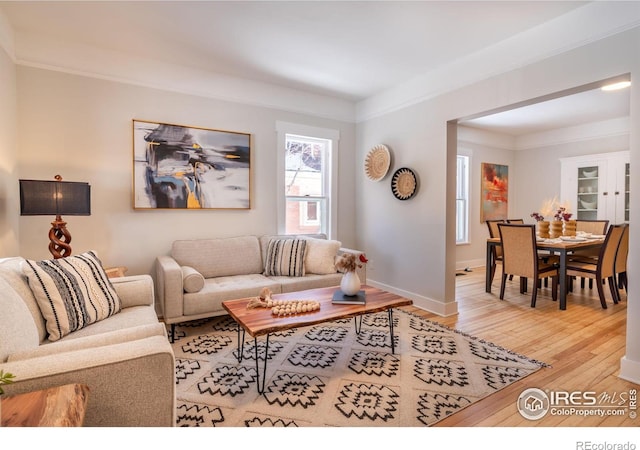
{"x":593,"y":227}
{"x":520,"y":257}
{"x":520,"y":221}
{"x":602,"y":268}
{"x":621,"y":260}
{"x":492,"y":225}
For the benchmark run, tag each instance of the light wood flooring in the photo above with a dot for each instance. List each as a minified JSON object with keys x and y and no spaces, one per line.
{"x":583,"y":345}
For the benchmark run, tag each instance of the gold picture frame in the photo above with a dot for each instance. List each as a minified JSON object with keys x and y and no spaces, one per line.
{"x":183,"y":167}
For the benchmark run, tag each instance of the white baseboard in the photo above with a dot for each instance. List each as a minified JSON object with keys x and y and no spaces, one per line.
{"x":461,"y":265}
{"x":630,"y":370}
{"x":419,"y":301}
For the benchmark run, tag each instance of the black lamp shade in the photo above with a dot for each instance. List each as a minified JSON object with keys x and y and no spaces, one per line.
{"x":58,"y":198}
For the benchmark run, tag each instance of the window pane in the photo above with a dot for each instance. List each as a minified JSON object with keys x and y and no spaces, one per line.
{"x":304,"y":162}
{"x":304,"y":216}
{"x":460,"y":221}
{"x":462,"y":199}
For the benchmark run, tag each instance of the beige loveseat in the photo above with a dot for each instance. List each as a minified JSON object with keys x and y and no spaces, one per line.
{"x":124,"y":359}
{"x":198,"y":275}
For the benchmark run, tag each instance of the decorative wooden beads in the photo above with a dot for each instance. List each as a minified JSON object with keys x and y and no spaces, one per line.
{"x":290,"y":307}
{"x":282,"y":307}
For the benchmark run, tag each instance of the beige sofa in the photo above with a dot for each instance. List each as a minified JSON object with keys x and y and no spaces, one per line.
{"x":125,"y":359}
{"x":198,"y":275}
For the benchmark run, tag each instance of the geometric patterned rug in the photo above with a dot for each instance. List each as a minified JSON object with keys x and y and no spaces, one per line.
{"x":327,"y":375}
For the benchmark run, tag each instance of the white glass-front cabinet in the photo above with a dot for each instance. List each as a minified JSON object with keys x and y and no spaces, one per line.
{"x":597,"y":186}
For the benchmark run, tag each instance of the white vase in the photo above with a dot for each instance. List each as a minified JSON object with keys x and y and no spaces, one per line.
{"x":350,"y":283}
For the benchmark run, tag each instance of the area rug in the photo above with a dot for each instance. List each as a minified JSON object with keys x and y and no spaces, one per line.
{"x":328,"y":375}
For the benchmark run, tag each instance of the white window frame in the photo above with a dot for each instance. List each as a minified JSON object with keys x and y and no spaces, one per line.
{"x":331,"y":171}
{"x":463,"y":182}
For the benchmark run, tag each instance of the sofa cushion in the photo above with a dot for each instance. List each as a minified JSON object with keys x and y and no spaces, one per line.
{"x":309,"y":281}
{"x":18,"y":332}
{"x":219,"y":257}
{"x":192,"y":280}
{"x":126,"y":319}
{"x":72,"y":292}
{"x":119,"y":336}
{"x":321,"y":256}
{"x":285,"y":257}
{"x":216,"y":290}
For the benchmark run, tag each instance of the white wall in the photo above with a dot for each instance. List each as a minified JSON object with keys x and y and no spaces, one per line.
{"x":541,"y":168}
{"x":9,"y":193}
{"x":399,"y":236}
{"x":412,"y":243}
{"x":482,"y":146}
{"x":81,"y":128}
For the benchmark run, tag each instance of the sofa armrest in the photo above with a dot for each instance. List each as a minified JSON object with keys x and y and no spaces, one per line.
{"x":130,"y":384}
{"x":169,"y":288}
{"x":361,"y":271}
{"x":135,"y":290}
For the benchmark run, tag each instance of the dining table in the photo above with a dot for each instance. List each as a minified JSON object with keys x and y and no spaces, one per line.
{"x":563,"y":247}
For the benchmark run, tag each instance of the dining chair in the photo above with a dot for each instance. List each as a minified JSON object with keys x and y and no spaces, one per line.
{"x":593,"y":227}
{"x":520,"y":221}
{"x":621,"y":260}
{"x":520,"y":257}
{"x":492,"y":225}
{"x":602,"y":268}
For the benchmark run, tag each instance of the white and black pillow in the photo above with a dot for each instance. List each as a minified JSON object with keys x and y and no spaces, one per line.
{"x":72,"y":292}
{"x":285,"y":257}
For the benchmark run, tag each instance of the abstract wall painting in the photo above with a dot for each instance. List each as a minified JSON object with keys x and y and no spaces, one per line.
{"x":494,"y":203}
{"x":180,"y":167}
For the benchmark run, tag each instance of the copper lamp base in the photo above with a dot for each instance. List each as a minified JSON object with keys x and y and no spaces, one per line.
{"x":59,"y":238}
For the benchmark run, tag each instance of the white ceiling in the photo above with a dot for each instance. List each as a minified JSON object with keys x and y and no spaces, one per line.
{"x":350,"y":50}
{"x":572,"y":110}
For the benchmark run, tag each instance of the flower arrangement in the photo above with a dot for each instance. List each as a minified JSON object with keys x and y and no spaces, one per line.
{"x":5,"y":378}
{"x":554,"y":208}
{"x":562,"y":214}
{"x":347,"y":262}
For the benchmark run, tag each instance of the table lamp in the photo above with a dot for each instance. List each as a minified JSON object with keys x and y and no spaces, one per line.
{"x":38,"y":198}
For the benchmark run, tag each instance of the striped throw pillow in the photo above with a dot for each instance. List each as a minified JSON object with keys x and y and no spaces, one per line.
{"x":285,"y":257}
{"x":72,"y":292}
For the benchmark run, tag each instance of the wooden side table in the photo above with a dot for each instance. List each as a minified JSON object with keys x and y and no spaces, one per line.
{"x":114,"y":272}
{"x":62,"y":406}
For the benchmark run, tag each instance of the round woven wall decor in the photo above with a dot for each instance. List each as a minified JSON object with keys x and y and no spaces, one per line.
{"x":377,"y":162}
{"x":404,"y":184}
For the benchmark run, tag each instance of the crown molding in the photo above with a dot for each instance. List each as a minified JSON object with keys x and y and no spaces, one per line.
{"x":589,"y":23}
{"x":78,"y":59}
{"x":579,"y":133}
{"x":586,"y":24}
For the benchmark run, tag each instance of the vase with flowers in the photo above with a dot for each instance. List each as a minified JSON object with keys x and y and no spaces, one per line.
{"x":543,"y":225}
{"x":347,"y":264}
{"x":564,"y":217}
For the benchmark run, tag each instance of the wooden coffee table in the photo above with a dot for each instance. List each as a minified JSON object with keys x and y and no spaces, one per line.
{"x":260,"y":321}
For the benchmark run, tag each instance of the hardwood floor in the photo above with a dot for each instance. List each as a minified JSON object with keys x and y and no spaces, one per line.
{"x":583,"y":345}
